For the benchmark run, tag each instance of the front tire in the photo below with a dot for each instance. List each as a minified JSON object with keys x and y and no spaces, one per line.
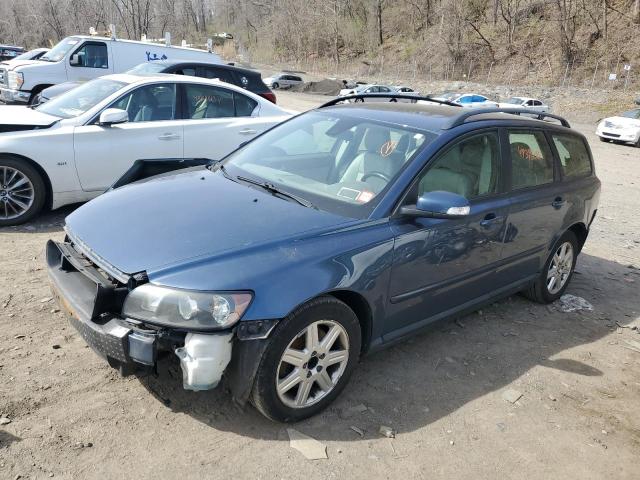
{"x":557,"y":272}
{"x":22,"y":191}
{"x":308,"y":362}
{"x":275,"y":86}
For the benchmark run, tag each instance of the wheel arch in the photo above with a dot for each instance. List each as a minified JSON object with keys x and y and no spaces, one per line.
{"x":579,"y":229}
{"x":360,"y":306}
{"x":48,"y":201}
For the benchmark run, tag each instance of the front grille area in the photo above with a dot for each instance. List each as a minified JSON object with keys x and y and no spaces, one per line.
{"x":4,"y":78}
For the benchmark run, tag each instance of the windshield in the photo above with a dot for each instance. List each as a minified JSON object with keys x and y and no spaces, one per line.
{"x":148,"y":67}
{"x":339,"y":163}
{"x":632,"y":114}
{"x":58,"y":52}
{"x":515,"y":100}
{"x":80,"y":99}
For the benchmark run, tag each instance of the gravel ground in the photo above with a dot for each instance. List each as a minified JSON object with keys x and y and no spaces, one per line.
{"x":71,"y":416}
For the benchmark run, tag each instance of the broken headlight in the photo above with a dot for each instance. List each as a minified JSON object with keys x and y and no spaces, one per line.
{"x":185,"y":308}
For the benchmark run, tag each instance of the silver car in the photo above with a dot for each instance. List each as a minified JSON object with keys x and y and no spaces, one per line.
{"x":283,"y":80}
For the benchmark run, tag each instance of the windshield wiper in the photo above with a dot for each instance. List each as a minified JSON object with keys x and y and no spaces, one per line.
{"x":270,"y":187}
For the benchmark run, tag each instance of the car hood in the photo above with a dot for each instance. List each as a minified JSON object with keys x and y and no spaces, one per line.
{"x":13,"y":64}
{"x":171,"y":219}
{"x":24,"y":117}
{"x":623,"y":121}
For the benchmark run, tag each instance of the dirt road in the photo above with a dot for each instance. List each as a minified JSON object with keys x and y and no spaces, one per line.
{"x":71,"y":416}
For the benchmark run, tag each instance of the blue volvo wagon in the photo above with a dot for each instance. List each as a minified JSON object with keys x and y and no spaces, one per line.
{"x":332,"y":235}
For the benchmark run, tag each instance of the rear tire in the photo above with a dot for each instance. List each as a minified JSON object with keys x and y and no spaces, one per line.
{"x":22,"y":191}
{"x":299,"y":375}
{"x":560,"y":266}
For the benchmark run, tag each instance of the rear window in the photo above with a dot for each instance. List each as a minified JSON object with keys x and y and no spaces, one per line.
{"x":574,"y":157}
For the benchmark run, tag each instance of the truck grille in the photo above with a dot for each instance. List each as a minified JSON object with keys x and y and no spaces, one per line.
{"x":4,"y":80}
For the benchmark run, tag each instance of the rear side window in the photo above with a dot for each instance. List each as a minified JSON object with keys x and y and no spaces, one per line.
{"x":204,"y":101}
{"x":219,"y":73}
{"x":574,"y":157}
{"x":531,"y":159}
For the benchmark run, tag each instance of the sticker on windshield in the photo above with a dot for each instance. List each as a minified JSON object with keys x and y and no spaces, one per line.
{"x":387,"y":148}
{"x":365,"y":196}
{"x":349,"y":193}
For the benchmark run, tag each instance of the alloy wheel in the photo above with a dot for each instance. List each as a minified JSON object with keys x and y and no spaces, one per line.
{"x":312,"y":364}
{"x":16,"y":193}
{"x":560,"y":268}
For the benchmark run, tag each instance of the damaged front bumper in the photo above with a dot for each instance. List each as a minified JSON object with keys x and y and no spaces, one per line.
{"x":93,"y":302}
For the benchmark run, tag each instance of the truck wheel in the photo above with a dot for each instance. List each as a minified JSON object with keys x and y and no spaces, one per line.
{"x":22,"y":191}
{"x":557,"y":271}
{"x":308,"y":362}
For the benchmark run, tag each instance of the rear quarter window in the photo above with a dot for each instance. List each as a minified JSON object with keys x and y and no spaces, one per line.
{"x":573,"y":154}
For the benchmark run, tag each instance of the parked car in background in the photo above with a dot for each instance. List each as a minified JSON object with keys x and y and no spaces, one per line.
{"x":283,"y":80}
{"x":385,"y":93}
{"x":9,"y":52}
{"x":74,"y":147}
{"x":81,"y":58}
{"x":332,"y":235}
{"x":248,"y":79}
{"x":469,"y":100}
{"x":525,"y":102}
{"x":623,"y":128}
{"x":34,"y":54}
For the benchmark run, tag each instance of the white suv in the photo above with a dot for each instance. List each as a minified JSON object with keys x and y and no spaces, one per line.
{"x":75,"y":146}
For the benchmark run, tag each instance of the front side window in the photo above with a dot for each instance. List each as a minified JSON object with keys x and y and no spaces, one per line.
{"x":206,"y":101}
{"x":340,"y":163}
{"x":149,"y":103}
{"x":470,"y":168}
{"x":92,"y":55}
{"x":574,"y":158}
{"x":531,"y":159}
{"x":466,"y":99}
{"x":80,"y":99}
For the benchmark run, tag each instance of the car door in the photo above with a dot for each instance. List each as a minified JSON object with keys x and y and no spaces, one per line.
{"x":104,"y":153}
{"x":537,"y":203}
{"x":217,"y":120}
{"x":89,"y":61}
{"x":443,"y":265}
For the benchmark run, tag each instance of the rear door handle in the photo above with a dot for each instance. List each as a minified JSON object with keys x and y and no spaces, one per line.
{"x":558,"y":203}
{"x":248,"y":131}
{"x":169,"y":136}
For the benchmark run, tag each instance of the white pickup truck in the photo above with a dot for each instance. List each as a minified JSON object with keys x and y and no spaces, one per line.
{"x":81,"y":58}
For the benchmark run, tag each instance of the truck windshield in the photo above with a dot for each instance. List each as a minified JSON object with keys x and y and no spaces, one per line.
{"x":77,"y":101}
{"x":58,"y":52}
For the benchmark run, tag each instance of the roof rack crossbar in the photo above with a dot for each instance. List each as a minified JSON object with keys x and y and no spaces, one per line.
{"x":460,"y":119}
{"x":390,"y":95}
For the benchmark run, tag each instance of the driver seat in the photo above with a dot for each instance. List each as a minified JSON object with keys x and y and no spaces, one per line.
{"x":372,"y":159}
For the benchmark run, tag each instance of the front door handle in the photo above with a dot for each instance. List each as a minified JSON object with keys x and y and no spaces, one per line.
{"x":489,"y":220}
{"x":248,"y":131}
{"x":558,"y":203}
{"x":169,"y":136}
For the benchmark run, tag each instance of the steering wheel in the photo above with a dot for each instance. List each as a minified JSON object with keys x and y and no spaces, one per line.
{"x":379,"y":175}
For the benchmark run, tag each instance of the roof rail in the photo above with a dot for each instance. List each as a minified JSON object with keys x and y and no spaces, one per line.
{"x":460,"y":119}
{"x":390,"y":95}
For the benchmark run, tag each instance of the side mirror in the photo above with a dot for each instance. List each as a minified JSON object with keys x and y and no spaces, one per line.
{"x":74,"y":60}
{"x":438,"y":205}
{"x":113,"y":116}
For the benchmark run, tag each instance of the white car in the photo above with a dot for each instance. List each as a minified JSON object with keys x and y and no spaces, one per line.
{"x":623,"y":128}
{"x":525,"y":102}
{"x":368,"y":88}
{"x":282,"y":80}
{"x":34,"y":54}
{"x":74,"y":147}
{"x":468,"y":100}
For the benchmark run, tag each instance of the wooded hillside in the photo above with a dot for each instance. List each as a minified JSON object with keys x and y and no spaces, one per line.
{"x":520,"y":41}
